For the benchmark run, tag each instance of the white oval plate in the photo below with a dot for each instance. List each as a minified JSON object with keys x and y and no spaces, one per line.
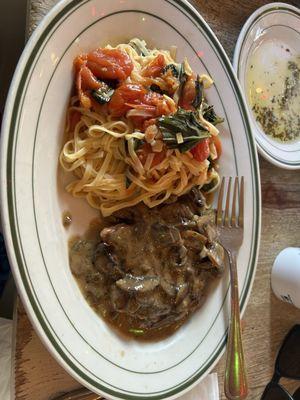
{"x":33,"y":198}
{"x":278,"y":22}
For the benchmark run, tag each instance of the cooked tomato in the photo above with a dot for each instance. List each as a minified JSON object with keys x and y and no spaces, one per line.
{"x":164,"y":106}
{"x":188,"y":94}
{"x":83,"y":97}
{"x":85,"y":81}
{"x":80,"y":61}
{"x":155,"y":68}
{"x":147,"y":103}
{"x":218,"y":145}
{"x":147,"y":149}
{"x":88,"y":79}
{"x":158,"y":158}
{"x":125,"y":95}
{"x":201,"y":150}
{"x":130,"y":95}
{"x":109,"y":64}
{"x":149,"y":122}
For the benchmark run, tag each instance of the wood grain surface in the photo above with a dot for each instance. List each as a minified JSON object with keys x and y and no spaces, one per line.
{"x":266,"y":320}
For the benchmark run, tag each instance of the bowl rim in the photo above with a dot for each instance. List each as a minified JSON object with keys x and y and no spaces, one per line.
{"x":261,"y":11}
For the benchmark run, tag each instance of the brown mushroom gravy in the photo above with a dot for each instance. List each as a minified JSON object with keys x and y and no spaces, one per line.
{"x":145,"y":271}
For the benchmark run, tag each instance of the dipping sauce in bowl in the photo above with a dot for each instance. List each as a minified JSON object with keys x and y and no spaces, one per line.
{"x":273,"y":89}
{"x":267,"y":62}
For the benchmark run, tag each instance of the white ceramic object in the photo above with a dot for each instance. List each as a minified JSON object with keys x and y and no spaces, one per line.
{"x":279,"y":23}
{"x":285,"y":277}
{"x":33,"y":198}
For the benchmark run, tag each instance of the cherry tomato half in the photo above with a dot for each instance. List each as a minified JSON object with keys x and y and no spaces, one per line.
{"x":201,"y":150}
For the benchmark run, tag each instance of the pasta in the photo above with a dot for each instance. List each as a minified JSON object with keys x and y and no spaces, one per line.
{"x":125,"y":153}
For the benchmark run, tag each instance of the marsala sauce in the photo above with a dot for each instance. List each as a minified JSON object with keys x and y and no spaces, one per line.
{"x":102,"y":307}
{"x":273,"y":89}
{"x":120,"y":324}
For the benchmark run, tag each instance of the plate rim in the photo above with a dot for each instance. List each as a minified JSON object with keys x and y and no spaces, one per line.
{"x":261,"y":11}
{"x":6,"y":129}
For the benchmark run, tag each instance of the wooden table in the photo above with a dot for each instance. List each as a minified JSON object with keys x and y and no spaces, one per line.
{"x":38,"y":376}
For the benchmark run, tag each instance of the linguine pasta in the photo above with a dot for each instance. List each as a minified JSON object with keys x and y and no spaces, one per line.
{"x":119,"y":161}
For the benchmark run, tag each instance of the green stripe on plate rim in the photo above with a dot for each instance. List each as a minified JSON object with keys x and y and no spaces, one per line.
{"x":11,"y":204}
{"x":272,"y":10}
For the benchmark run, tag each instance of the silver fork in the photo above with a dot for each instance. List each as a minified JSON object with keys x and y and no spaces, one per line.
{"x":231,"y":230}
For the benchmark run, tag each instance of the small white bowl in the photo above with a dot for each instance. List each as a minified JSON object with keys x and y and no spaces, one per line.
{"x":278,"y":22}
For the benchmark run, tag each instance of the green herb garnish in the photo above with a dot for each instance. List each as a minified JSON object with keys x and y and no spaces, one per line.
{"x":187,"y":124}
{"x":209,"y":114}
{"x":156,"y":89}
{"x":139,"y":46}
{"x":173,"y":68}
{"x":137,"y":332}
{"x":103,"y":94}
{"x":199,"y":93}
{"x":127,"y":182}
{"x":137,"y":143}
{"x":182,"y":77}
{"x":210,"y":186}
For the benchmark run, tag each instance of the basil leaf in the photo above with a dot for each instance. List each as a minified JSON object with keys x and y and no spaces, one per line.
{"x":210,"y":186}
{"x":137,"y":143}
{"x":155,"y":88}
{"x":182,"y":77}
{"x":199,"y":93}
{"x":127,"y":182}
{"x":137,"y":332}
{"x":173,"y":68}
{"x":209,"y":114}
{"x":139,"y":46}
{"x":186,"y":123}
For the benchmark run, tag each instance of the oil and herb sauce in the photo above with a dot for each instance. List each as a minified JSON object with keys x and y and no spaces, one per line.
{"x":273,"y":90}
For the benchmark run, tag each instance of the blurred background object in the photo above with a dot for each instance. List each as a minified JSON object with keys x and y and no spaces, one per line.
{"x":13,"y":32}
{"x":13,"y":29}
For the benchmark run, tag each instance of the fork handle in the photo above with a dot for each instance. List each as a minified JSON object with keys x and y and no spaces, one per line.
{"x":236,"y":387}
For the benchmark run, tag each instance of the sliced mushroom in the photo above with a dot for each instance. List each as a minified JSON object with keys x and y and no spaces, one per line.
{"x":202,"y":220}
{"x":206,"y":265}
{"x":118,"y":298}
{"x":184,"y":306}
{"x":182,"y":291}
{"x":198,"y":285}
{"x":215,"y":253}
{"x":152,"y":308}
{"x":165,"y":235}
{"x":203,"y":252}
{"x":211,"y":232}
{"x":105,"y":263}
{"x":168,"y":287}
{"x":81,"y":254}
{"x":141,"y":284}
{"x":197,"y":198}
{"x":94,"y":289}
{"x":193,"y":240}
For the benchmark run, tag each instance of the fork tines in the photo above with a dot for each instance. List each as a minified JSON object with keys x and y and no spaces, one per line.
{"x":223,"y":216}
